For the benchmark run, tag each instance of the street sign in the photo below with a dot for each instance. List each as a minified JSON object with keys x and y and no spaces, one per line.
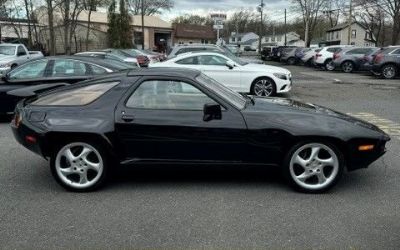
{"x":218,"y":26}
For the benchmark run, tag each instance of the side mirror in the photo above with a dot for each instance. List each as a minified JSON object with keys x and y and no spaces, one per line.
{"x":212,"y":111}
{"x":230,"y":65}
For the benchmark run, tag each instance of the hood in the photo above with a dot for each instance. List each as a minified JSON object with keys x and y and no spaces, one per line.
{"x":6,"y":58}
{"x":252,"y":60}
{"x":264,"y":67}
{"x":288,"y":105}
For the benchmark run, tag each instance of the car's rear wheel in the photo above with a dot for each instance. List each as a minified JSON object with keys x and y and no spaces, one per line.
{"x":263,"y":87}
{"x":80,"y":166}
{"x":313,"y":167}
{"x":329,"y":65}
{"x":347,"y":67}
{"x":389,"y":71}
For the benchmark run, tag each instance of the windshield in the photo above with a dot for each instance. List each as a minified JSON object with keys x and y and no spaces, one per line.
{"x":8,"y":50}
{"x":230,"y":96}
{"x":234,"y":58}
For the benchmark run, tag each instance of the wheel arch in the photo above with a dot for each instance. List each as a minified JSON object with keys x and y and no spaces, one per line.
{"x":55,"y":140}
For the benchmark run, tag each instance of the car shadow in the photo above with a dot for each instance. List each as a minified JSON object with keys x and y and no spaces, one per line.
{"x":5,"y":118}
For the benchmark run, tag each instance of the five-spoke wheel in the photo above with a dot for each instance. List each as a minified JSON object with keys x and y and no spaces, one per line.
{"x":79,"y":166}
{"x":314,"y":167}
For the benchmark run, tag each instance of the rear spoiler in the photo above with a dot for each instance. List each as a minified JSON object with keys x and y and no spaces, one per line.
{"x":35,"y":90}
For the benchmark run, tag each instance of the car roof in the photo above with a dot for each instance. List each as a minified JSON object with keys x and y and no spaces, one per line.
{"x":164,"y":71}
{"x":198,"y":53}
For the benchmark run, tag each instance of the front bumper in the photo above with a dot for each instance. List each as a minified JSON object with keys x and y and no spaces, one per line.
{"x":4,"y":71}
{"x":283,"y":86}
{"x":359,"y":159}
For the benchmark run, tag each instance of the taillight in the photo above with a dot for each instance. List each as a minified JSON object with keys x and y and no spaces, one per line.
{"x":378,"y":58}
{"x":142,"y":59}
{"x":336,"y":56}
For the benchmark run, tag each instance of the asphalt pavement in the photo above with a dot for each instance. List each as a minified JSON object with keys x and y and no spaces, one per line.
{"x":215,"y":207}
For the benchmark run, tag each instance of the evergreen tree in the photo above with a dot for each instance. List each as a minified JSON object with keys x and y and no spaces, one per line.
{"x":119,"y":29}
{"x":113,"y":26}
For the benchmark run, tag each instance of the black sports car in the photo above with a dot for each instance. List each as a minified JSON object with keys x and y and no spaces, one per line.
{"x":52,"y":71}
{"x":179,"y":115}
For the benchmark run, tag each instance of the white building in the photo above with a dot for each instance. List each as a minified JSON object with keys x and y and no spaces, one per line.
{"x":292,"y":39}
{"x":359,"y":35}
{"x":242,"y":38}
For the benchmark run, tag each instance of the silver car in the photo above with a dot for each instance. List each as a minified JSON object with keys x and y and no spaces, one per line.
{"x":351,"y":59}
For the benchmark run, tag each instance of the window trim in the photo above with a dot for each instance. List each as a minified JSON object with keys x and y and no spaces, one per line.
{"x":188,"y":81}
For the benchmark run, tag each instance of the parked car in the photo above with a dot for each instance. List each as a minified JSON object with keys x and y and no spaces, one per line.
{"x":233,"y":48}
{"x":289,"y":55}
{"x":52,"y":70}
{"x":257,"y":79}
{"x":366,"y":64}
{"x":12,"y":55}
{"x":88,"y":129}
{"x":309,"y":56}
{"x":277,"y":52}
{"x":184,"y":48}
{"x":151,"y":57}
{"x":324,"y":58}
{"x":266,"y":53}
{"x":110,"y":56}
{"x":387,"y":62}
{"x":351,"y":59}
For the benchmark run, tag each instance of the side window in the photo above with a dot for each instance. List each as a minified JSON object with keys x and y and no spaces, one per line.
{"x":164,"y":94}
{"x":30,"y":70}
{"x":332,"y":50}
{"x":212,"y":60}
{"x":97,"y":70}
{"x":21,"y":51}
{"x":189,"y":61}
{"x":396,"y":52}
{"x":68,"y":68}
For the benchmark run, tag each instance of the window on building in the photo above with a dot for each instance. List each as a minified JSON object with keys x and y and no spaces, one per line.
{"x":233,"y":39}
{"x":239,"y":39}
{"x":337,"y":34}
{"x":279,"y":38}
{"x":354,"y":34}
{"x":137,"y":37}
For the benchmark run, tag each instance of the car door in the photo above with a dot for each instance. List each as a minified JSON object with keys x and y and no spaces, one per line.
{"x":162,"y":119}
{"x":22,"y":55}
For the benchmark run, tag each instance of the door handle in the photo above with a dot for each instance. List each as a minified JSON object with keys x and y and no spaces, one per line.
{"x":128,"y":118}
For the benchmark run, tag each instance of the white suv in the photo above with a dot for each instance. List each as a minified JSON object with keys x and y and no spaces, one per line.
{"x":324,"y":58}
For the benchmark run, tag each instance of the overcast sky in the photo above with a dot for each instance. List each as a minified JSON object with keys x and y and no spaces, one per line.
{"x":274,"y":8}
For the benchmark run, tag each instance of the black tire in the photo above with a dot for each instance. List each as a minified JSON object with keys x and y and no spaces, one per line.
{"x":290,"y":179}
{"x":13,"y":66}
{"x":106,"y":160}
{"x":348,"y":66}
{"x":389,"y":71}
{"x":328,"y":65}
{"x":267,"y":81}
{"x":291,"y":61}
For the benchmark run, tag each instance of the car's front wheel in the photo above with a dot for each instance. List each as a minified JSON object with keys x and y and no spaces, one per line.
{"x":313,"y":167}
{"x":263,"y":87}
{"x":389,"y":71}
{"x":79,"y":166}
{"x":291,"y":61}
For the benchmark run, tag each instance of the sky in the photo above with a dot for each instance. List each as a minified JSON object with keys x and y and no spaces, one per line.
{"x":274,"y":9}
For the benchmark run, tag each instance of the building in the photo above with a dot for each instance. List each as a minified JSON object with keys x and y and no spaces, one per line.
{"x":240,"y":38}
{"x":188,"y":33}
{"x":15,"y":29}
{"x":360,"y":35}
{"x":292,"y":39}
{"x":157,"y":32}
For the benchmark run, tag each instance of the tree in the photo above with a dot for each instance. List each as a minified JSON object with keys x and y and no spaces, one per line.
{"x":90,"y":6}
{"x":310,"y":10}
{"x":193,"y":19}
{"x":119,"y":30}
{"x":392,"y":9}
{"x":52,"y":37}
{"x":151,"y":7}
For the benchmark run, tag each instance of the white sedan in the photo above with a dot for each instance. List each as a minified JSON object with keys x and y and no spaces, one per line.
{"x":256,"y":79}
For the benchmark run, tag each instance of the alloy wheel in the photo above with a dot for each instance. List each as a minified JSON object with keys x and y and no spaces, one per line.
{"x":330,"y":66}
{"x":389,"y":72}
{"x":347,"y":67}
{"x":263,"y":87}
{"x":79,"y":165}
{"x":314,"y":166}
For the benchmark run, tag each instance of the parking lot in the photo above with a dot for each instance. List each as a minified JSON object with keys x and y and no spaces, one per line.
{"x":215,"y":207}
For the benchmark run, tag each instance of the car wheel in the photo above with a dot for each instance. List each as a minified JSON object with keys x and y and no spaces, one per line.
{"x":80,"y":166}
{"x":313,"y":167}
{"x":13,"y":66}
{"x":291,"y":61}
{"x":348,"y":67}
{"x":263,"y":87}
{"x":389,"y":71}
{"x":329,"y":65}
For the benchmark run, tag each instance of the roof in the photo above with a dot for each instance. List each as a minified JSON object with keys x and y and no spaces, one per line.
{"x":194,"y":31}
{"x":164,"y":71}
{"x":249,"y":42}
{"x":102,"y":17}
{"x":343,"y":26}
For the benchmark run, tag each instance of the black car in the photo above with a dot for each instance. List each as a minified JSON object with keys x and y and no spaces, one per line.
{"x":53,"y":70}
{"x":277,"y":52}
{"x":165,"y":115}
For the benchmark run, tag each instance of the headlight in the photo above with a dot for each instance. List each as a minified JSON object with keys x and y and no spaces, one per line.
{"x":280,"y":76}
{"x":5,"y":65}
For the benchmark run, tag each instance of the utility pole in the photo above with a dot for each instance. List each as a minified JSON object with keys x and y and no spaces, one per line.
{"x":285,"y":29}
{"x":260,"y":9}
{"x":142,"y":24}
{"x":350,"y":22}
